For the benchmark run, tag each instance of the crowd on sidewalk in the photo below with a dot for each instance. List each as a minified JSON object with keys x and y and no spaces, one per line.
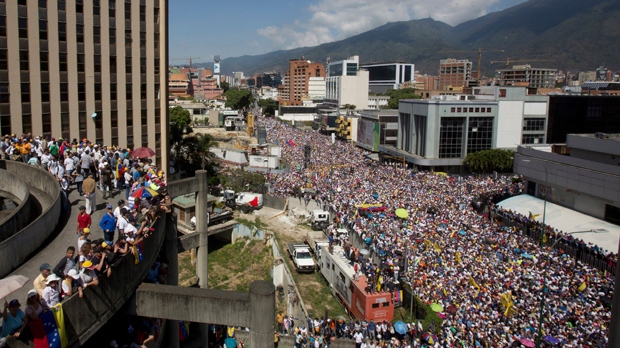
{"x":93,"y":170}
{"x":491,"y":277}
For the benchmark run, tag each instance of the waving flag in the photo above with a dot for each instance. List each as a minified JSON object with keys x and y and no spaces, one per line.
{"x":60,"y":324}
{"x":51,"y":329}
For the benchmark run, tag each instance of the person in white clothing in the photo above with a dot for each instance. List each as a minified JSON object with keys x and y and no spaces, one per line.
{"x":50,"y":295}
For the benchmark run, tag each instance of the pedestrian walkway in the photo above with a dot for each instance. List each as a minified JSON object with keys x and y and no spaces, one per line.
{"x":58,"y":243}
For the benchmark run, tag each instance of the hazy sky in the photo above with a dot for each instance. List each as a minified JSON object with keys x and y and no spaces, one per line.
{"x":204,"y":28}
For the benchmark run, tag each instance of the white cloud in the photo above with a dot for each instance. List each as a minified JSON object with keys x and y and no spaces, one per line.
{"x":335,"y":20}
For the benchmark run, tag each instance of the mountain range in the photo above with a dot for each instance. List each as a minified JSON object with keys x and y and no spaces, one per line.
{"x":574,"y":35}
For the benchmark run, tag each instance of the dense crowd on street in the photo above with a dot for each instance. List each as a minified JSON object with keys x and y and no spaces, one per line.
{"x":488,"y":277}
{"x":139,"y":189}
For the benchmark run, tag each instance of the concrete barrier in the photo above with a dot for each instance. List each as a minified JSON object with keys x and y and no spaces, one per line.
{"x":274,"y":202}
{"x":18,"y":247}
{"x":85,"y":316}
{"x":14,"y":188}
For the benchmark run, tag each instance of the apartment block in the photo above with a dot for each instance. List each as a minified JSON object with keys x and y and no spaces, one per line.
{"x":454,"y":73}
{"x":294,"y":88}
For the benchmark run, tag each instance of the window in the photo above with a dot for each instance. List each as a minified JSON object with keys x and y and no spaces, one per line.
{"x":42,"y":29}
{"x":64,"y":121}
{"x":128,"y":65}
{"x":22,"y":24}
{"x":128,"y":91}
{"x":112,"y":64}
{"x":97,"y":60}
{"x":80,"y":62}
{"x":25,"y":91}
{"x":3,"y":26}
{"x":82,"y":121}
{"x":477,"y":110}
{"x":43,"y":3}
{"x":142,"y":13}
{"x":97,"y":35}
{"x":142,"y":65}
{"x":47,"y":122}
{"x":62,"y":6}
{"x":129,"y":118}
{"x":143,"y":117}
{"x":45,"y":92}
{"x":156,"y":14}
{"x":489,"y":110}
{"x":114,"y":118}
{"x":62,"y":61}
{"x":534,"y":124}
{"x":157,"y":116}
{"x":157,"y":91}
{"x":375,"y":305}
{"x":96,"y":7}
{"x":471,"y":109}
{"x":98,"y":92}
{"x":81,"y":91}
{"x":4,"y":93}
{"x":79,"y":30}
{"x":62,"y":31}
{"x":64,"y":91}
{"x":142,"y":39}
{"x":451,"y":137}
{"x":145,"y":140}
{"x":452,"y":110}
{"x":143,"y":91}
{"x":502,"y":93}
{"x":112,"y":8}
{"x":112,"y":36}
{"x":4,"y":63}
{"x":23,"y":60}
{"x":27,"y":123}
{"x":113,"y":91}
{"x":22,"y":2}
{"x":128,"y":37}
{"x":479,"y":134}
{"x":156,"y":67}
{"x":127,"y":11}
{"x":156,"y":41}
{"x":533,"y":139}
{"x":79,"y":6}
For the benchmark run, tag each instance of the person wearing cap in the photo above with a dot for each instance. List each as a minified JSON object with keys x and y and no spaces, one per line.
{"x":34,"y":307}
{"x":40,"y":281}
{"x":88,"y":274}
{"x":84,"y":220}
{"x":108,"y":224}
{"x":50,"y":295}
{"x":89,"y":186}
{"x":83,"y":238}
{"x":71,"y":284}
{"x":13,"y":319}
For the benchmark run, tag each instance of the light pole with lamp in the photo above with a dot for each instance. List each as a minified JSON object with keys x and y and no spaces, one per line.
{"x":544,"y":197}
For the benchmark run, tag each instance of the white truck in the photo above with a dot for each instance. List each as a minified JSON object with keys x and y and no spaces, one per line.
{"x":319,"y":219}
{"x":244,"y":201}
{"x":316,"y":241}
{"x":302,"y":259}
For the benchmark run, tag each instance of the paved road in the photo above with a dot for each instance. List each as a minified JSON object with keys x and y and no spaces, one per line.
{"x":57,"y":244}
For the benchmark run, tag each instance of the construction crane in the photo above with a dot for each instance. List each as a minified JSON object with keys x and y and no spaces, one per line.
{"x":189,"y":58}
{"x":508,"y":61}
{"x":479,"y":51}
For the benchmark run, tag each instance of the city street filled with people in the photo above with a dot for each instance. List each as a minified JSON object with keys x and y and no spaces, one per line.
{"x":484,"y":278}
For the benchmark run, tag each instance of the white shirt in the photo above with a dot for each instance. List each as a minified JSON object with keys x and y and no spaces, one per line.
{"x":50,"y":296}
{"x":69,"y":164}
{"x":358,"y":337}
{"x":121,"y":222}
{"x":117,"y":214}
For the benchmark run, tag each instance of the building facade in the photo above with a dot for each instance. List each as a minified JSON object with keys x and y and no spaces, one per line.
{"x":385,"y":76}
{"x":86,"y":69}
{"x":570,"y":114}
{"x":346,"y":84}
{"x":525,"y":75}
{"x":441,"y":132}
{"x":585,"y":178}
{"x":454,"y":73}
{"x":294,"y":88}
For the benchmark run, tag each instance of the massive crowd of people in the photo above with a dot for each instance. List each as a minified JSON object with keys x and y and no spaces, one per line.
{"x":490,"y":275}
{"x":93,"y":170}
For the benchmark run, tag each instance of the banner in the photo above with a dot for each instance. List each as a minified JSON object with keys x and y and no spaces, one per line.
{"x":60,"y":324}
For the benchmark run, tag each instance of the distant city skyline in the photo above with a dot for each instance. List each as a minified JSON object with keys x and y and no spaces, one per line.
{"x":201,"y":29}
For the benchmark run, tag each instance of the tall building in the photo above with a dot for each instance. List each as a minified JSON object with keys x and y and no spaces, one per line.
{"x":526,"y":76}
{"x":454,"y":73}
{"x":86,"y":69}
{"x":385,"y":76}
{"x":573,"y":114}
{"x":294,"y":87}
{"x":346,"y":83}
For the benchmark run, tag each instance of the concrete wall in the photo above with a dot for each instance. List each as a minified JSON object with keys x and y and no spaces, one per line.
{"x":274,"y":202}
{"x":282,"y":277}
{"x":85,"y":316}
{"x":17,"y":248}
{"x":15,"y":188}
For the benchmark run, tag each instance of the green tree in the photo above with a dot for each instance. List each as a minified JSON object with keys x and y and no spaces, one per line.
{"x":487,"y":161}
{"x":240,"y":180}
{"x":269,"y":106}
{"x":238,"y":99}
{"x":225,"y":86}
{"x":397,"y":94}
{"x":192,"y":152}
{"x":180,"y":117}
